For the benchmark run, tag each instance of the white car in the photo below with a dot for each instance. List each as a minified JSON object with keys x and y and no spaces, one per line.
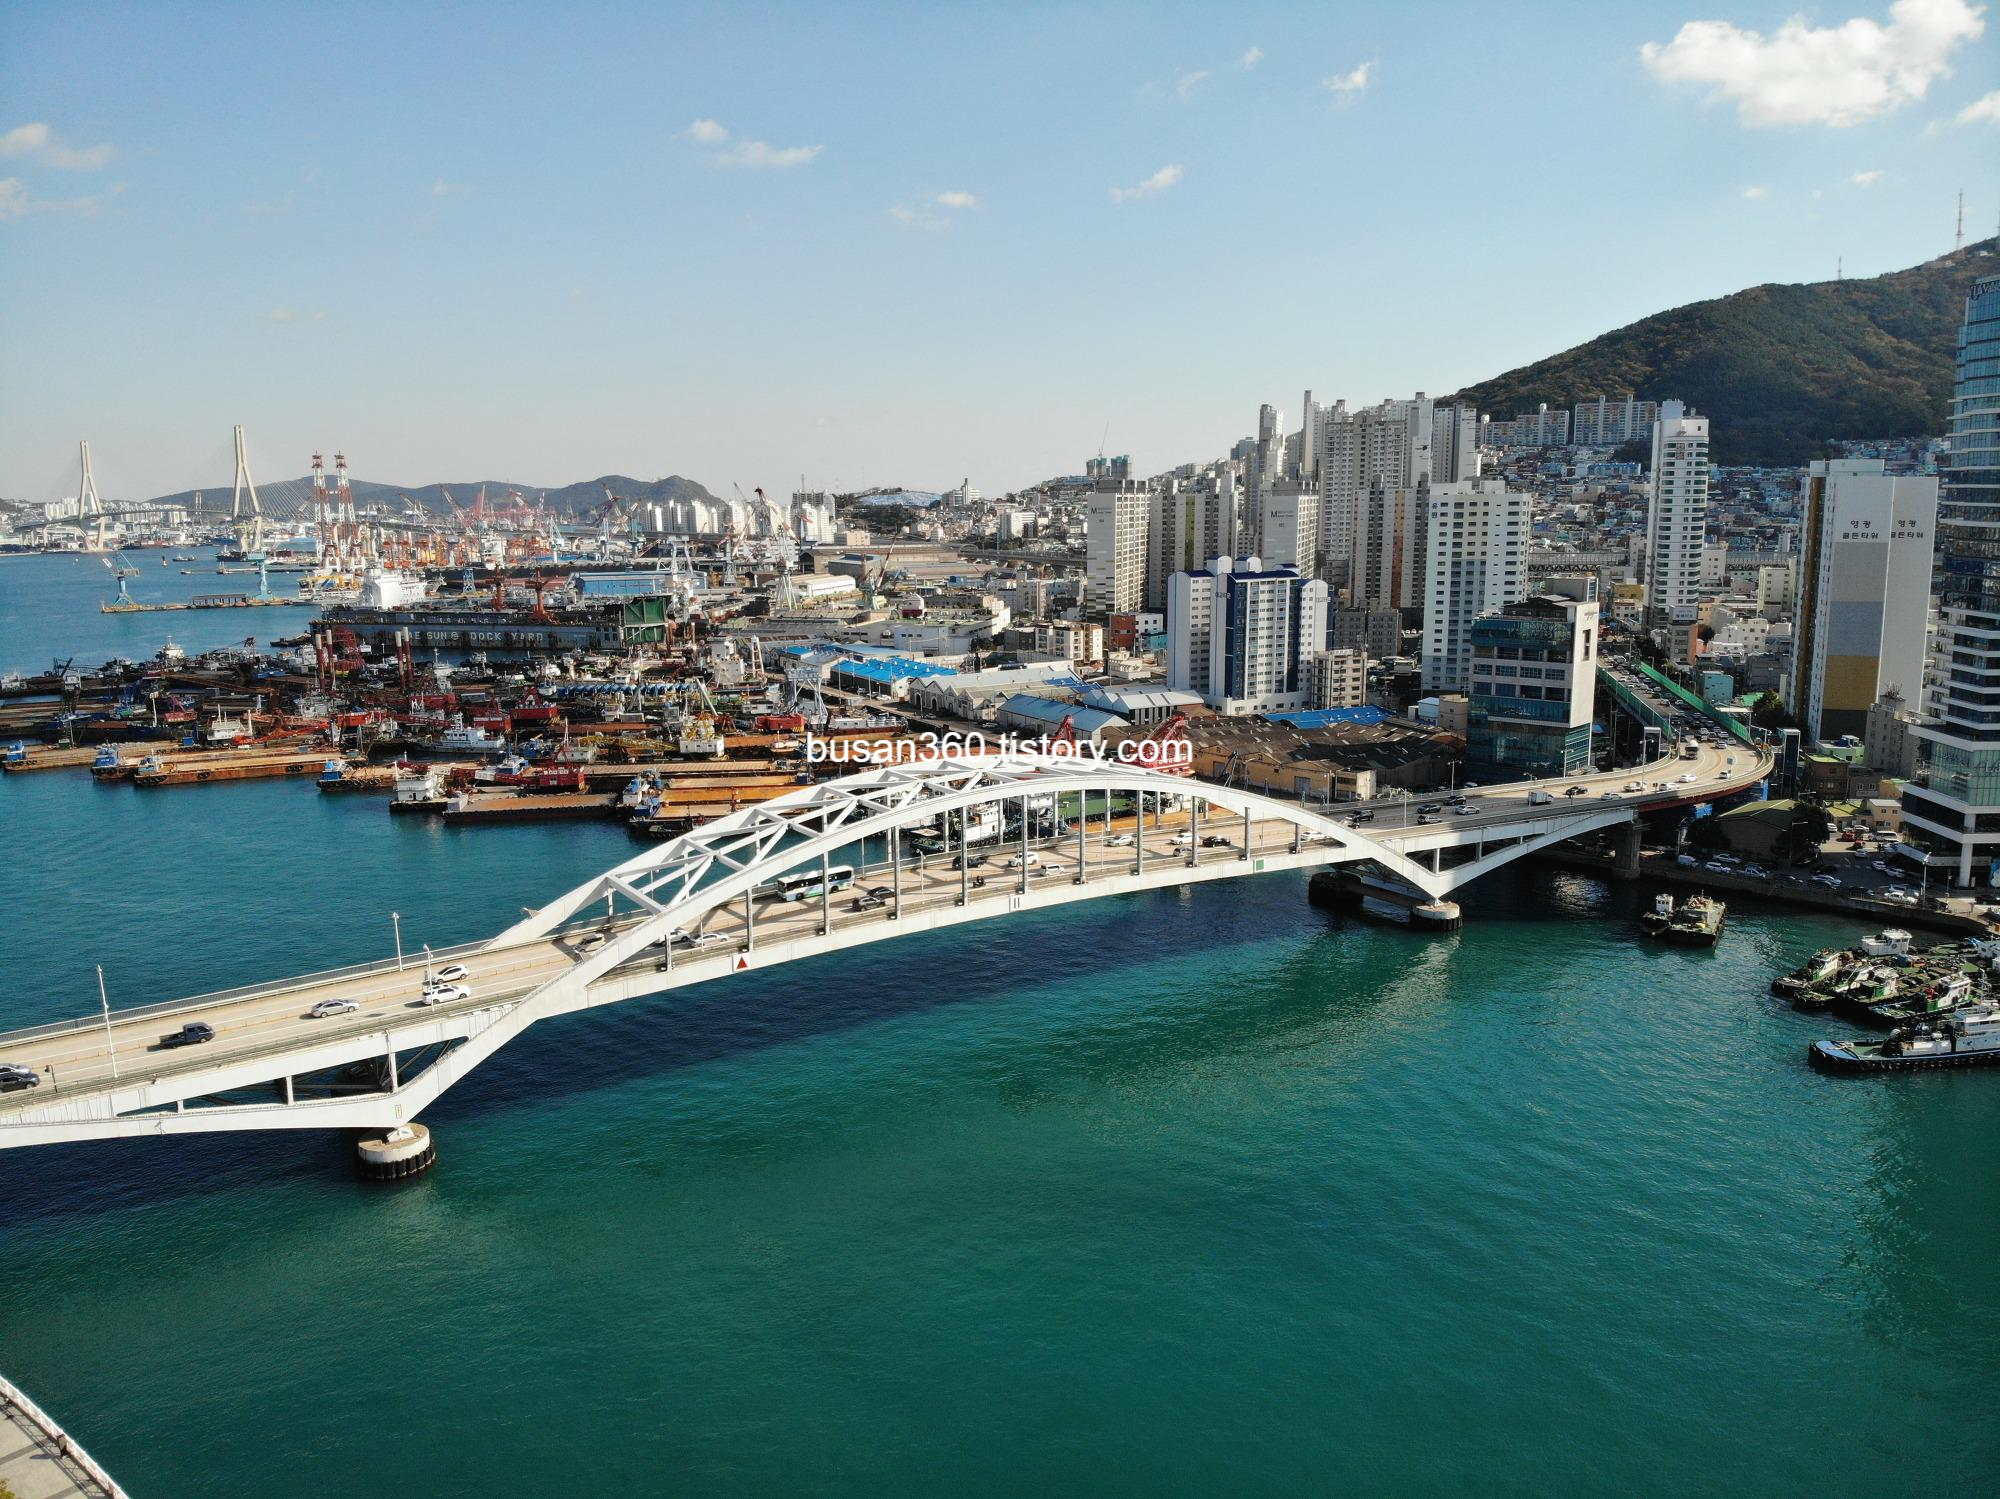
{"x":1463,"y":811}
{"x":438,"y":992}
{"x":1030,"y":859}
{"x":1181,"y":840}
{"x":1633,"y":786}
{"x":328,"y":1007}
{"x":451,"y":973}
{"x":1120,"y":840}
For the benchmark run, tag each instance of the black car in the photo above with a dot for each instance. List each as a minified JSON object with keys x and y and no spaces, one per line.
{"x":961,"y":862}
{"x":882,"y":892}
{"x":192,"y":1034}
{"x":14,"y":1079}
{"x":1216,"y":840}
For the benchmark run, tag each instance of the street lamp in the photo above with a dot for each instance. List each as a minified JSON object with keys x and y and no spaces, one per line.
{"x":396,"y":917}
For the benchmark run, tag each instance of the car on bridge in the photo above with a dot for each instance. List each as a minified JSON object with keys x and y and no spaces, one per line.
{"x":194,"y":1033}
{"x":327,"y":1007}
{"x":1120,"y":840}
{"x":13,"y":1077}
{"x":1577,"y":791}
{"x":439,"y":992}
{"x":1216,"y":840}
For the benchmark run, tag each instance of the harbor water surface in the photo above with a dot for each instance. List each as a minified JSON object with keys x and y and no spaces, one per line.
{"x":1198,"y":1192}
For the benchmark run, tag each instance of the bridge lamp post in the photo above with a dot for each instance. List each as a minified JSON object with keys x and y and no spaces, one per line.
{"x":110,"y":1045}
{"x":396,"y":920}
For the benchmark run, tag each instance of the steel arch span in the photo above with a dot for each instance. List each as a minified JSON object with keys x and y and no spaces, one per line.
{"x":612,"y":938}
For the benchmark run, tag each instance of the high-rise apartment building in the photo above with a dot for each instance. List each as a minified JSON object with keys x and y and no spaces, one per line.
{"x":1533,"y":689}
{"x":1677,"y":517}
{"x":1390,"y":542}
{"x":1474,"y":564}
{"x":1338,"y":678}
{"x":1391,"y":445}
{"x":1118,"y":528}
{"x":1953,"y":809}
{"x":1244,"y":636}
{"x":1597,"y":422}
{"x":1864,"y":599}
{"x":1454,"y":444}
{"x":1288,"y":525}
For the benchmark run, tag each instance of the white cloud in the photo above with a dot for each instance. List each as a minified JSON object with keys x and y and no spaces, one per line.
{"x":1251,"y":58}
{"x":1186,"y":83}
{"x":1984,"y":111}
{"x":1756,"y":192}
{"x":911,"y":218}
{"x":757,"y":154}
{"x":443,"y":189}
{"x":708,"y":132}
{"x":1159,"y":182}
{"x":955,"y":198}
{"x":38,"y":142}
{"x":288,"y":315}
{"x":17,"y":202}
{"x":1865,"y":179}
{"x":1351,"y":84}
{"x":1820,"y":75}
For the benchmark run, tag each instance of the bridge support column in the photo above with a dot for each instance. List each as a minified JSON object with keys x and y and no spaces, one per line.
{"x":1246,"y":832}
{"x":403,"y":1151}
{"x":964,"y":861}
{"x":1082,"y":834}
{"x":1625,"y":852}
{"x":896,"y":871}
{"x":749,"y":922}
{"x":1194,"y":832}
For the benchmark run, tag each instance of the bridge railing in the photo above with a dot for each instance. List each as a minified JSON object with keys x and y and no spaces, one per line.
{"x":12,"y":1394}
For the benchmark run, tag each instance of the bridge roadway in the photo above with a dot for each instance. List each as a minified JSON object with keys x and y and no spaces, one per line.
{"x":263,"y":1037}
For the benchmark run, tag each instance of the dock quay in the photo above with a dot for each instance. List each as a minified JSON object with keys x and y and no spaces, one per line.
{"x":79,"y":757}
{"x":236,"y":765}
{"x":39,"y":1460}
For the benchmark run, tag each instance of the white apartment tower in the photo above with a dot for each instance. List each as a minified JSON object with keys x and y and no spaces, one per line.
{"x":1118,"y":526}
{"x":1677,"y":519}
{"x":1475,"y":564}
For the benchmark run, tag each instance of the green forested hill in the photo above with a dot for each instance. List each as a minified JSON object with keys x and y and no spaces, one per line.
{"x":1779,"y":369}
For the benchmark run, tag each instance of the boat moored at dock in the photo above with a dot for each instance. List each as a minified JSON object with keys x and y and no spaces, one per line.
{"x":1966,"y":1038}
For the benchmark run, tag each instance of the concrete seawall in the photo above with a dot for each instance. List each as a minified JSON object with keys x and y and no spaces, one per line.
{"x":1663,"y":869}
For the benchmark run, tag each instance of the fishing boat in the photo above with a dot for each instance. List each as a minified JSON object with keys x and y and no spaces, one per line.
{"x":1892,"y":941}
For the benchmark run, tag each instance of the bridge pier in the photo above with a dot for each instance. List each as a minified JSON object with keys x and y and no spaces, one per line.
{"x":1625,"y":851}
{"x":403,"y":1151}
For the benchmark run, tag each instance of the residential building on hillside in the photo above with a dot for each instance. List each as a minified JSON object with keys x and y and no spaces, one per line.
{"x":1118,"y":521}
{"x":1677,"y":516}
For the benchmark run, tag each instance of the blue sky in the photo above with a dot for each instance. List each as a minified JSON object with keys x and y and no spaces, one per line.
{"x":491,"y":241}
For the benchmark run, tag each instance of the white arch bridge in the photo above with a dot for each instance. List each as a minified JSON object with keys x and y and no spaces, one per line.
{"x":704,"y":906}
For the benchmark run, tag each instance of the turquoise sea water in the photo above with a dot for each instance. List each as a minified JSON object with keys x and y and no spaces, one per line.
{"x":1199,"y":1192}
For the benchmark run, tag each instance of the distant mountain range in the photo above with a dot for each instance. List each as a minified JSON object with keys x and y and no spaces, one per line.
{"x":288,"y":497}
{"x":1780,"y":369}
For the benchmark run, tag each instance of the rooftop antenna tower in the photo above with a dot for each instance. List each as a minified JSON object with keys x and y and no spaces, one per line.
{"x":87,"y":501}
{"x":1958,"y":239}
{"x":1839,"y":264}
{"x":250,"y":531}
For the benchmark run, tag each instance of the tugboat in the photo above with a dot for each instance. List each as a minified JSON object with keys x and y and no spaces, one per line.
{"x":1817,"y":969}
{"x":1654,"y":923}
{"x":1698,"y":922}
{"x":422,"y":792}
{"x":1965,"y":1038}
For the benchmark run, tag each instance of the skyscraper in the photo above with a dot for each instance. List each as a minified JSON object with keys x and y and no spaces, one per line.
{"x":1864,"y":592}
{"x":1953,"y":809}
{"x":1677,"y":518}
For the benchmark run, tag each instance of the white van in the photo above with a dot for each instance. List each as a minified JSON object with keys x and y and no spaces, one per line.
{"x":1539,"y":798}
